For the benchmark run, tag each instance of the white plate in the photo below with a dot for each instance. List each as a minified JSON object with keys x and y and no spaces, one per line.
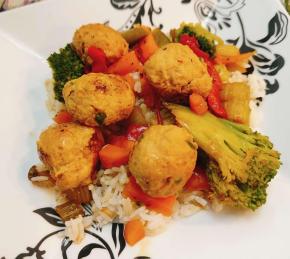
{"x":29,"y":34}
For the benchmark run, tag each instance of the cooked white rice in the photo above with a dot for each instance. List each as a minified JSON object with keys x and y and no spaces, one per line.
{"x":137,"y":85}
{"x":110,"y":205}
{"x":39,"y":178}
{"x":75,"y":228}
{"x":53,"y":105}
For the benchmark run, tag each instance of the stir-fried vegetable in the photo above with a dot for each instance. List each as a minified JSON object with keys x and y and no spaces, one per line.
{"x":66,"y":65}
{"x":223,"y":72}
{"x":161,"y":205}
{"x":230,"y":56}
{"x":123,"y":142}
{"x":99,"y":64}
{"x":146,"y":47}
{"x":234,"y":62}
{"x":148,"y":93}
{"x":130,"y":80}
{"x":160,"y":38}
{"x":79,"y":195}
{"x":137,"y":117}
{"x":134,"y":231}
{"x":201,"y":31}
{"x":213,"y":98}
{"x":193,"y":43}
{"x":40,"y":178}
{"x":198,"y":181}
{"x":244,"y":161}
{"x":63,"y":117}
{"x":227,"y":50}
{"x":236,"y":98}
{"x":287,"y":5}
{"x":113,"y":156}
{"x":134,"y":131}
{"x":135,"y":34}
{"x":197,"y":104}
{"x":207,"y":40}
{"x":127,"y":64}
{"x":69,"y":210}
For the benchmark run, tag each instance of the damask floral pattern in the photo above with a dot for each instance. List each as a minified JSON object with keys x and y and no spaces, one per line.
{"x":10,"y":4}
{"x":218,"y":18}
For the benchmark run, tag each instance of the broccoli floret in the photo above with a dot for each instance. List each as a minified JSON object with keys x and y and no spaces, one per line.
{"x":66,"y":65}
{"x":235,"y":193}
{"x":242,"y":161}
{"x":204,"y":43}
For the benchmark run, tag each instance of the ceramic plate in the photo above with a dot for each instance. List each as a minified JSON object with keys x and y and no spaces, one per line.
{"x":30,"y":227}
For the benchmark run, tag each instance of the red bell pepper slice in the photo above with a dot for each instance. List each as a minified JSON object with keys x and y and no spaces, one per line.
{"x":192,"y":42}
{"x":99,"y":59}
{"x":198,"y":181}
{"x":213,"y":98}
{"x":134,"y":131}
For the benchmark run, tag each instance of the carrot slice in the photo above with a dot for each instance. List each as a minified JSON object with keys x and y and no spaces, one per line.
{"x":123,"y":142}
{"x":236,"y":67}
{"x":197,"y":104}
{"x":134,"y":231}
{"x":63,"y":117}
{"x":163,"y":205}
{"x":240,"y":58}
{"x":146,"y":47}
{"x":113,"y":156}
{"x":126,"y":64}
{"x":130,"y":80}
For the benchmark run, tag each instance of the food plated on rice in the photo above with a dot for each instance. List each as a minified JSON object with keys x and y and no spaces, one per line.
{"x":150,"y":127}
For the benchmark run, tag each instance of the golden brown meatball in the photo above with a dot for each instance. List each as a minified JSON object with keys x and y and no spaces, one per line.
{"x":66,"y":150}
{"x":163,"y":160}
{"x":175,"y":71}
{"x":100,"y":36}
{"x":99,"y":99}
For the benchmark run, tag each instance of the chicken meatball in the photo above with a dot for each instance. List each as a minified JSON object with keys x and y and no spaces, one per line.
{"x":100,"y":36}
{"x":176,"y":72}
{"x":163,"y":160}
{"x":67,"y":149}
{"x":99,"y":99}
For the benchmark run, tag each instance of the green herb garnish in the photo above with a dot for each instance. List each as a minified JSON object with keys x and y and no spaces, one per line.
{"x":100,"y":118}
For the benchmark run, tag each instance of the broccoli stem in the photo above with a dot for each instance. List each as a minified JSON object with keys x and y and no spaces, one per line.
{"x":211,"y":134}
